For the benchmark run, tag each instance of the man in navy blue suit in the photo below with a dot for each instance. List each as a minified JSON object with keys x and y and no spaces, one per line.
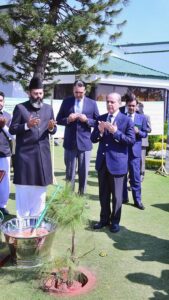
{"x":78,"y":115}
{"x":114,"y":131}
{"x":134,"y":163}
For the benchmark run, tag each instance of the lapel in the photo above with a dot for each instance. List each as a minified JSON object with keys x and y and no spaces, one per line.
{"x":136,"y":119}
{"x":72,"y":105}
{"x":118,"y":120}
{"x":104,"y":117}
{"x":85,"y":102}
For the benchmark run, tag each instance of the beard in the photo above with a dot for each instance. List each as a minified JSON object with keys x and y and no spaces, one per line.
{"x":36,"y":103}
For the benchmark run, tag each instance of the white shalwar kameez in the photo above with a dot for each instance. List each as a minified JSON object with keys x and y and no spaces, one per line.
{"x":30,"y":200}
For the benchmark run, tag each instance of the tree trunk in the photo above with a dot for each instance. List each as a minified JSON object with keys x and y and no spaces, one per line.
{"x":43,"y":56}
{"x":40,"y":67}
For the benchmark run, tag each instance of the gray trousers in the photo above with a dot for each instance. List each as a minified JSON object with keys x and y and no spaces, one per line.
{"x":80,"y":160}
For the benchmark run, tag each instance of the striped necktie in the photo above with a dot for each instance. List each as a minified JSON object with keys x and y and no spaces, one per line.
{"x":109,"y":119}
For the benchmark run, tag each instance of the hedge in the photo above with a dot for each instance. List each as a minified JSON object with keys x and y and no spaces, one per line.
{"x":153,"y":164}
{"x":158,"y":146}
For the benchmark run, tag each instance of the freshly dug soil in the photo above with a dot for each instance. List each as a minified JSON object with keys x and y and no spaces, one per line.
{"x":83,"y":282}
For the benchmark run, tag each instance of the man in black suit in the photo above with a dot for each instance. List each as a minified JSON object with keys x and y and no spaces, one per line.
{"x":5,"y":155}
{"x":78,"y":114}
{"x":32,"y":123}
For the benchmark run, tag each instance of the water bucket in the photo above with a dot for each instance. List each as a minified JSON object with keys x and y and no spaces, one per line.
{"x":27,"y":248}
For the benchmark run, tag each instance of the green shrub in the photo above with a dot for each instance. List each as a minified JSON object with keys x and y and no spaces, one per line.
{"x":164,"y":138}
{"x":157,"y":138}
{"x":153,"y":164}
{"x":153,"y":139}
{"x":158,"y":146}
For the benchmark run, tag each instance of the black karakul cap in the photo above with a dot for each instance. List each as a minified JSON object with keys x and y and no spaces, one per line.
{"x":35,"y":83}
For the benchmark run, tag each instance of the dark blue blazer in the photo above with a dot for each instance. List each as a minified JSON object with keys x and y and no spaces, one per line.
{"x":5,"y":149}
{"x":77,"y":134}
{"x":113,"y":148}
{"x":141,"y":123}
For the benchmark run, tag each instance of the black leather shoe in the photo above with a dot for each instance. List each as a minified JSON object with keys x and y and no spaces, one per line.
{"x":115,"y":228}
{"x":4,"y":211}
{"x":139,"y":206}
{"x":100,"y":225}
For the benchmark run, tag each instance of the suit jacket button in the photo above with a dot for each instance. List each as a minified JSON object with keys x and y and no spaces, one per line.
{"x":107,"y":145}
{"x":103,"y":153}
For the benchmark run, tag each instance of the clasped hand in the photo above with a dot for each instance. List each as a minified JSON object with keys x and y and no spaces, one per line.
{"x":76,"y":116}
{"x":2,"y":122}
{"x":136,"y":130}
{"x":112,"y":128}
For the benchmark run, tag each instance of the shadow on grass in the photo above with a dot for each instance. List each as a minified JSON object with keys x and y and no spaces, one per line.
{"x":154,"y":248}
{"x":57,"y":174}
{"x":92,"y":197}
{"x":159,"y":284}
{"x":92,"y":183}
{"x":163,"y":206}
{"x":18,"y":275}
{"x":12,"y":196}
{"x":93,"y":174}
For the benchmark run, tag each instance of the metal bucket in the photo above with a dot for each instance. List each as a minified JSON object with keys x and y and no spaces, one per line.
{"x":28,"y":251}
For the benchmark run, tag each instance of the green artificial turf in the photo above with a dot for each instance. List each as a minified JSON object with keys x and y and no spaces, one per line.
{"x":136,"y":265}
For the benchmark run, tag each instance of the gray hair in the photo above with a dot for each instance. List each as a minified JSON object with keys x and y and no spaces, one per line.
{"x":116,"y":96}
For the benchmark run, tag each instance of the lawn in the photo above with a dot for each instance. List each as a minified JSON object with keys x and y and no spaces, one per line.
{"x":136,"y":266}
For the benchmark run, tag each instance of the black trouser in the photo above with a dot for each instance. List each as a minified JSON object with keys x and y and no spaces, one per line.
{"x":110,"y":186}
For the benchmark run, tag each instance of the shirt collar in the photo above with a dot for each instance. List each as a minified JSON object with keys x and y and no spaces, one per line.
{"x":114,"y":114}
{"x":132,"y":115}
{"x":81,"y":100}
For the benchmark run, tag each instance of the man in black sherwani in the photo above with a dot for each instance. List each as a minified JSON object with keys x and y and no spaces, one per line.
{"x":32,"y":123}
